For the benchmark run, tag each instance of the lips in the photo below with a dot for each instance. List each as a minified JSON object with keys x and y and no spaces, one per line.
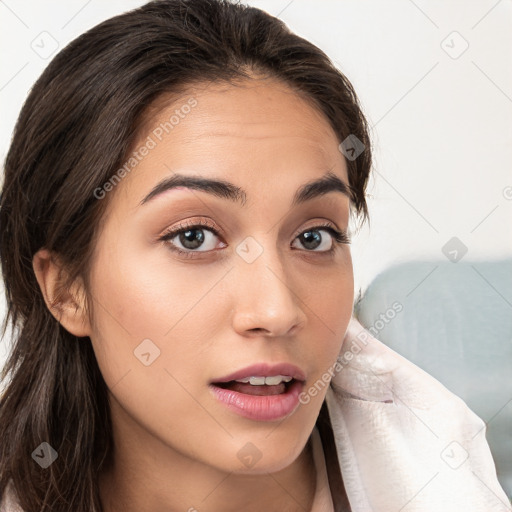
{"x":261,"y":401}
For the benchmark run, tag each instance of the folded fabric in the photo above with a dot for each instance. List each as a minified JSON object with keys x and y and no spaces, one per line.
{"x":405,"y":443}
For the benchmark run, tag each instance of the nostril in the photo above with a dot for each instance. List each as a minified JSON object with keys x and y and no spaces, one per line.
{"x":259,"y":330}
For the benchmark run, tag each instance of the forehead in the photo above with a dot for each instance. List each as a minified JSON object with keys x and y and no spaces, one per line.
{"x":248,"y":132}
{"x":258,"y":109}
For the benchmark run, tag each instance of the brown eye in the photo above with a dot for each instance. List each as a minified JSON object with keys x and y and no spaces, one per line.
{"x":323,"y":237}
{"x":192,"y":238}
{"x":313,"y":239}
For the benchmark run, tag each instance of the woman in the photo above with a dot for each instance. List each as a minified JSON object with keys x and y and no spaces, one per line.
{"x":174,"y":224}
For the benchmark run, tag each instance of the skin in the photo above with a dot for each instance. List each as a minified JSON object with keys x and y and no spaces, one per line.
{"x":176,"y":446}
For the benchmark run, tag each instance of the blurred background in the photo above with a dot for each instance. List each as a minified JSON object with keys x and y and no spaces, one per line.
{"x":435,"y":81}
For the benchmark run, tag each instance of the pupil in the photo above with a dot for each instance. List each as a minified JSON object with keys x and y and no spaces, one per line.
{"x":311,"y":239}
{"x":189,"y":240}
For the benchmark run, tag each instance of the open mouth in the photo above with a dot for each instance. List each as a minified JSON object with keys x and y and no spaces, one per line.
{"x":260,"y":402}
{"x":257,"y":389}
{"x":262,"y":391}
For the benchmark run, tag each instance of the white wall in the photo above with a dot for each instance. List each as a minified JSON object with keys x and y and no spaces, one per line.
{"x":442,"y":126}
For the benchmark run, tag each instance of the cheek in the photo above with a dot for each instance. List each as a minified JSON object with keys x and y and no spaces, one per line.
{"x":328,"y":293}
{"x":152,"y":326}
{"x":145,"y":302}
{"x":146,"y":290}
{"x":329,"y":306}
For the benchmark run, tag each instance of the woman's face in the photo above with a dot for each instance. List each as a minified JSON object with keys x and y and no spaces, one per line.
{"x":259,"y":283}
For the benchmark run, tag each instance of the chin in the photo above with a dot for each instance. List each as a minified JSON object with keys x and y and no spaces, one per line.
{"x":262,"y":453}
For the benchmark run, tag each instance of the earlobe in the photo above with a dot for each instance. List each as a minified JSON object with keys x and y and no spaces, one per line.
{"x":65,"y":304}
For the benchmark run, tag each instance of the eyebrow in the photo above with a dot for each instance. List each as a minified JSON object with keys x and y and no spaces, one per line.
{"x":329,"y":182}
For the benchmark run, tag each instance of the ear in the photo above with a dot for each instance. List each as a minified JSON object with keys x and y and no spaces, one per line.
{"x":67,"y":305}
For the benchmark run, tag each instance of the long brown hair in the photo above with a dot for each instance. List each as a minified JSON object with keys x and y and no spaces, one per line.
{"x":74,"y":131}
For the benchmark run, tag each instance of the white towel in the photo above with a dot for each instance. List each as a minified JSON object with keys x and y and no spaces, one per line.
{"x":406,"y":443}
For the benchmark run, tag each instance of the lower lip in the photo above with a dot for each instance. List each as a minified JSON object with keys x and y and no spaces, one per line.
{"x":260,"y":408}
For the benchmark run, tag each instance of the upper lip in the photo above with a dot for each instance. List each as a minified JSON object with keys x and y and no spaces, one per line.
{"x":264,"y":370}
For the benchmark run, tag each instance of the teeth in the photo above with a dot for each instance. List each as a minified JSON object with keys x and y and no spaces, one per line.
{"x":277,"y":379}
{"x":269,"y":381}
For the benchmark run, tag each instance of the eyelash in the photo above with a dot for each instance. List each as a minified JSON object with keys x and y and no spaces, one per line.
{"x":339,"y":237}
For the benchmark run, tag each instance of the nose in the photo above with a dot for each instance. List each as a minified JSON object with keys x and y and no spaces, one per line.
{"x":265,"y":302}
